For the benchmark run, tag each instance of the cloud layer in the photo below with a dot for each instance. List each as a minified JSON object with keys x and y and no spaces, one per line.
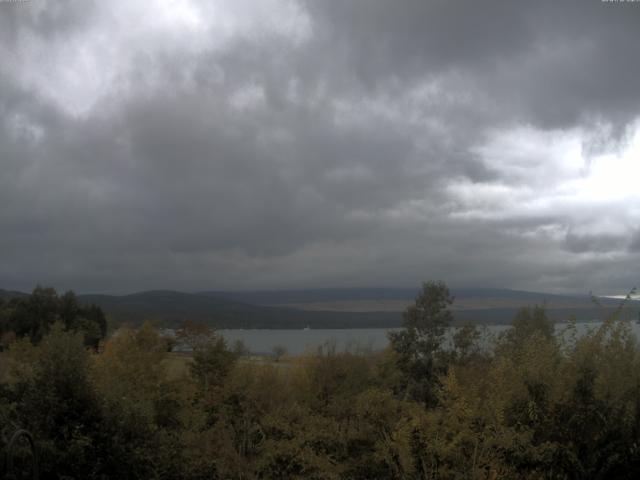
{"x":201,"y":145}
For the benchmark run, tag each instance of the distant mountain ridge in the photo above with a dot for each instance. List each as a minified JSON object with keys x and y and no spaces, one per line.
{"x":277,"y":297}
{"x":170,"y":308}
{"x":332,"y":307}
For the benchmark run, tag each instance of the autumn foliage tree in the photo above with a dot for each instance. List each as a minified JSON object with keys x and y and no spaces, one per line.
{"x":536,"y":402}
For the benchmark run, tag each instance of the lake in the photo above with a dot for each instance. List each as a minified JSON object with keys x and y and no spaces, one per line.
{"x":298,"y":341}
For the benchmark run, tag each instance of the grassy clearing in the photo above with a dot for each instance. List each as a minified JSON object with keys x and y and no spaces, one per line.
{"x":177,"y":364}
{"x":284,"y":362}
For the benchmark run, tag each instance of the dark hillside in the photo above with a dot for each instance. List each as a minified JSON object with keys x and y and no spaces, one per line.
{"x":331,"y":308}
{"x":279,"y":297}
{"x":171,"y":308}
{"x":8,"y":294}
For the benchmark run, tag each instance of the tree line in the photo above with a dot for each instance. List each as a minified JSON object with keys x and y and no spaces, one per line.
{"x":33,"y":316}
{"x":528,"y":403}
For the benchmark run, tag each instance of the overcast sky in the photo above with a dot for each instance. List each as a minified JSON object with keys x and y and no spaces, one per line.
{"x":244,"y":144}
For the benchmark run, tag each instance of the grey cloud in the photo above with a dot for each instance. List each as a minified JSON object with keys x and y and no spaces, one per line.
{"x":550,"y":63}
{"x":45,"y":19}
{"x":634,"y":243}
{"x":577,"y":243}
{"x":335,"y":168}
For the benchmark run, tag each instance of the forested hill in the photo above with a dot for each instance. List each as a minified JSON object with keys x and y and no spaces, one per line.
{"x":170,"y":308}
{"x":8,"y":294}
{"x":332,"y":308}
{"x":281,"y":297}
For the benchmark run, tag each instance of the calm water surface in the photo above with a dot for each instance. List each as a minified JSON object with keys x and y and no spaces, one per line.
{"x":299,"y":341}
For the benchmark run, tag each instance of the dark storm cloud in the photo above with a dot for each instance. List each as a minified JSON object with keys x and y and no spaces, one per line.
{"x":552,"y":63}
{"x":338,"y":143}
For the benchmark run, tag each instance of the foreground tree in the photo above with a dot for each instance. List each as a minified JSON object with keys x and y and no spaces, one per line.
{"x":212,"y":362}
{"x":418,"y":346}
{"x":278,"y":352}
{"x":195,"y":335}
{"x":50,"y":388}
{"x":140,"y":405}
{"x":530,"y":321}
